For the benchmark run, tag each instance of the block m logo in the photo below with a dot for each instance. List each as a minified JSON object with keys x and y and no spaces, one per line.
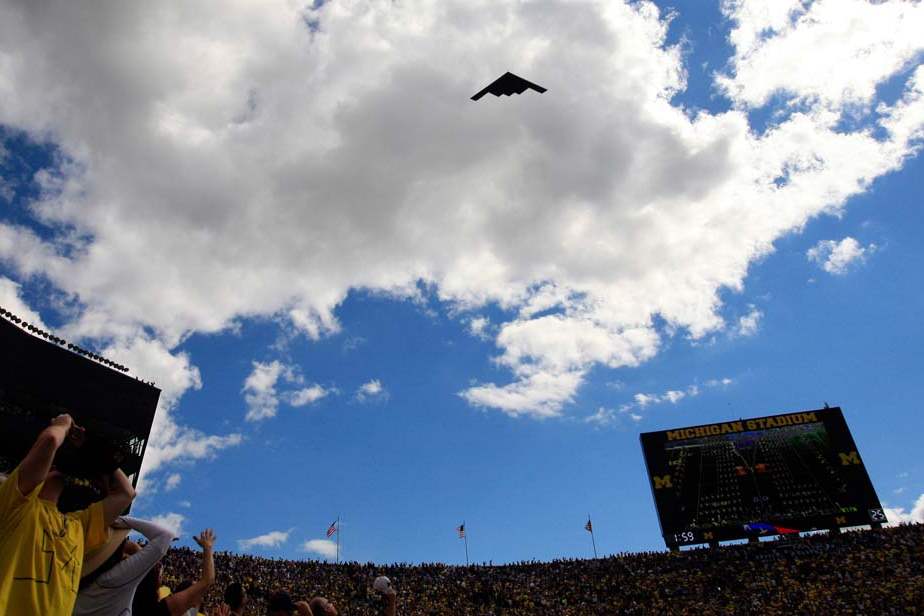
{"x":849,"y":458}
{"x":662,"y":482}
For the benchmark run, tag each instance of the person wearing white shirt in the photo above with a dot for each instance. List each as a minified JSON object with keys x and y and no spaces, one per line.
{"x":112,"y":573}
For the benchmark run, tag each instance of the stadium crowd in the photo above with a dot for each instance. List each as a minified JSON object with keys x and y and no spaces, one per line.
{"x":861,"y":572}
{"x":82,"y":562}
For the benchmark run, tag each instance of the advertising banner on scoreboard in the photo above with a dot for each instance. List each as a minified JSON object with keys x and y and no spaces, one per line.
{"x":761,"y":476}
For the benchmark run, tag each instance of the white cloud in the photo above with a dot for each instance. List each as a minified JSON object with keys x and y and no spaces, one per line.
{"x":898,"y":515}
{"x":261,"y":394}
{"x":262,"y":179}
{"x":643,"y":400}
{"x":785,"y":45}
{"x":321,"y":547}
{"x":260,"y":390}
{"x":673,"y":396}
{"x":271,"y":539}
{"x":748,"y":324}
{"x":837,"y":257}
{"x":478,"y":327}
{"x":606,"y":416}
{"x":172,"y":521}
{"x":603,"y":417}
{"x":538,"y":395}
{"x":11,"y":300}
{"x":307,"y":395}
{"x":172,"y":482}
{"x":371,"y":390}
{"x":185,"y":504}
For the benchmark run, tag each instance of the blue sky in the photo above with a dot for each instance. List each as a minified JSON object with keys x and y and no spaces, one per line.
{"x":380,"y":328}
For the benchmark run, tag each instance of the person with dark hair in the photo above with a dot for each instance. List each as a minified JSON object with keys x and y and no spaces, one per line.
{"x":236,"y":598}
{"x":113,"y":573}
{"x":321,"y":607}
{"x":280,"y":604}
{"x":147,"y":603}
{"x":42,"y":549}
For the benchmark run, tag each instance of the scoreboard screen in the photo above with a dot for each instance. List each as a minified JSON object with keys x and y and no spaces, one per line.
{"x":761,"y":476}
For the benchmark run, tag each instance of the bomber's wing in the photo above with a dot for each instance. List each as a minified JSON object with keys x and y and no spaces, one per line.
{"x":508,"y":84}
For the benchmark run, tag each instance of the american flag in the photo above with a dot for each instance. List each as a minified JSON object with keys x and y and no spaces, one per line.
{"x":461,"y":530}
{"x":589,"y":527}
{"x":332,"y":528}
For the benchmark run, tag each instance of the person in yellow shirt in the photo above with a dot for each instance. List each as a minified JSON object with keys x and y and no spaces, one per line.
{"x":42,"y":549}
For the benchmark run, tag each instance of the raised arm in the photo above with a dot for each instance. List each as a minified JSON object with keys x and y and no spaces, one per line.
{"x":121,"y":494}
{"x":137,"y":566}
{"x":180,"y":602}
{"x":34,"y":468}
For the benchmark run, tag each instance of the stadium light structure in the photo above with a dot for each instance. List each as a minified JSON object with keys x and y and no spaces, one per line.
{"x":39,"y":332}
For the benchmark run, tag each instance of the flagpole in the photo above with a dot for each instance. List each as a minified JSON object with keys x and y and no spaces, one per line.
{"x":465,"y":536}
{"x":338,"y":539}
{"x":592,"y":540}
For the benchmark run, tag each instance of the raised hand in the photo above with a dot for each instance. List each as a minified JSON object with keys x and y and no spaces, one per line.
{"x":222,"y":610}
{"x":64,"y":420}
{"x":205,"y":539}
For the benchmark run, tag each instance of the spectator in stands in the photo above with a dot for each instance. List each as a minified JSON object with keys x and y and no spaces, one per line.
{"x":42,"y":549}
{"x":865,"y":572}
{"x":113,"y":573}
{"x":147,"y":602}
{"x":236,"y":598}
{"x":322,"y":607}
{"x":280,"y":604}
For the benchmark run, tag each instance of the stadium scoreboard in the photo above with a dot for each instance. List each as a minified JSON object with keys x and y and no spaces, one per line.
{"x":768,"y":475}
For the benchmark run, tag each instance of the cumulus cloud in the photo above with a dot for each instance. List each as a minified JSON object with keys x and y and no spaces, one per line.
{"x":607,"y":416}
{"x":898,"y":515}
{"x":478,"y":327}
{"x":12,"y":301}
{"x":640,"y":401}
{"x":772,"y":37}
{"x":263,"y":398}
{"x":172,"y":481}
{"x":322,"y":547}
{"x":673,"y":396}
{"x":262,"y":178}
{"x":260,"y":389}
{"x":837,"y":257}
{"x":371,"y":390}
{"x":749,"y":323}
{"x":271,"y":539}
{"x":307,"y":395}
{"x":172,"y":521}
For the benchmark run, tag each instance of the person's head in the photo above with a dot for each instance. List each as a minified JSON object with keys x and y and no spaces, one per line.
{"x":92,"y":568}
{"x":235,"y":596}
{"x":322,"y":607}
{"x":280,"y":604}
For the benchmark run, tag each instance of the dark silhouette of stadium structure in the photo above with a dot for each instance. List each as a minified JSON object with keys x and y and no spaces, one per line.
{"x":508,"y":84}
{"x":42,"y":376}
